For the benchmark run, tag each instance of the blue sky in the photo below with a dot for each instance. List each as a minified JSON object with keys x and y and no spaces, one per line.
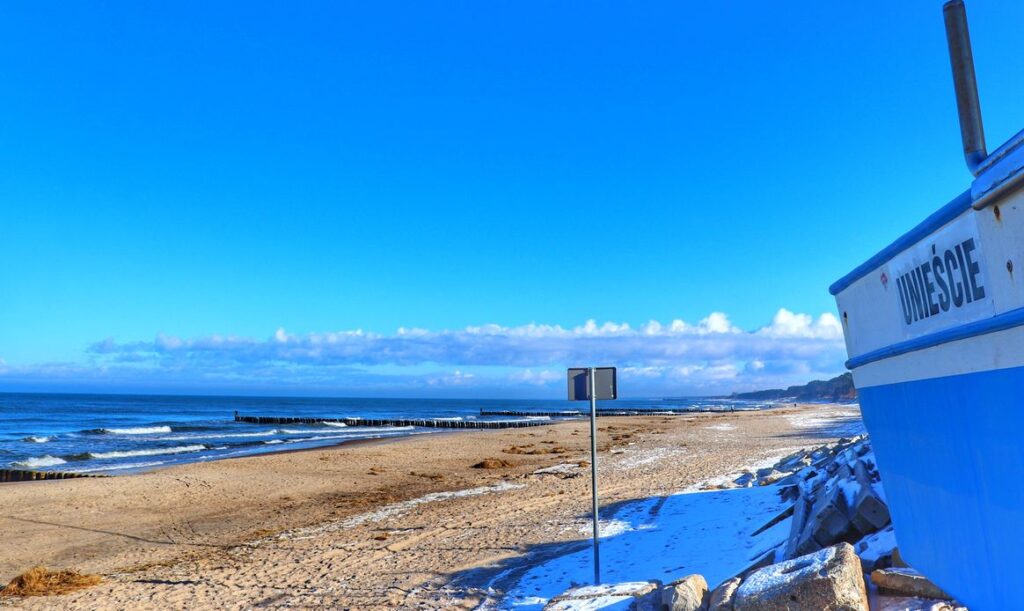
{"x":189,"y":189}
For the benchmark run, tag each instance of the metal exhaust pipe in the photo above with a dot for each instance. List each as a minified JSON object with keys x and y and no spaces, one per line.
{"x":972,"y":132}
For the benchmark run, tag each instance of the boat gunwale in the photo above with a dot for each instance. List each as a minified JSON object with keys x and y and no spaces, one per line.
{"x":937,"y":219}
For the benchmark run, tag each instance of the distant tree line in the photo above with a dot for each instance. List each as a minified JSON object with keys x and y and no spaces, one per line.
{"x":837,"y":389}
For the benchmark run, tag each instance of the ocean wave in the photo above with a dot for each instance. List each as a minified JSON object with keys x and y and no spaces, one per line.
{"x":359,"y":430}
{"x":37,"y":439}
{"x":40,"y":461}
{"x":214,"y":435}
{"x":139,"y":430}
{"x":272,"y":441}
{"x":355,"y":435}
{"x":121,"y":467}
{"x":153,"y":452}
{"x":336,"y":424}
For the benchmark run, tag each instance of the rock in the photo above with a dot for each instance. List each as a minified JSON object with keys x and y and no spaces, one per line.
{"x":897,"y":559}
{"x":795,"y":461}
{"x":903,"y":603}
{"x":605,"y":595}
{"x":827,"y":580}
{"x":786,"y":513}
{"x":648,"y":602}
{"x":765,"y":559}
{"x":906,"y":582}
{"x":876,"y":550}
{"x":828,"y":522}
{"x":745,"y":480}
{"x":788,"y":490}
{"x":722,"y":597}
{"x":801,"y":510}
{"x":869,"y":513}
{"x":771,"y":477}
{"x":687,"y":594}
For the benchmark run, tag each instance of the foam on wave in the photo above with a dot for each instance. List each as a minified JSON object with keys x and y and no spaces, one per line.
{"x":138,"y":430}
{"x":37,"y":462}
{"x":153,"y":452}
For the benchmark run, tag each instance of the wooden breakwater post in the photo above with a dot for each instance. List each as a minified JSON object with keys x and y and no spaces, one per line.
{"x":423,"y":423}
{"x":28,"y":475}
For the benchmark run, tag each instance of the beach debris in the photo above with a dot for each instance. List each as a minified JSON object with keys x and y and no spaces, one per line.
{"x":603,"y":596}
{"x":830,"y":578}
{"x":434,"y":477}
{"x":41,"y":581}
{"x":906,"y":582}
{"x":563,"y":470}
{"x":722,"y":597}
{"x":687,"y":594}
{"x":530,"y":449}
{"x":493,"y":463}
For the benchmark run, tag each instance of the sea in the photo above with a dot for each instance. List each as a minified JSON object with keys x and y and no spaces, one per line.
{"x":114,"y":434}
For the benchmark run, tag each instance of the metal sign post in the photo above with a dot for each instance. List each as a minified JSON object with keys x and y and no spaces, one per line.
{"x":593,"y":383}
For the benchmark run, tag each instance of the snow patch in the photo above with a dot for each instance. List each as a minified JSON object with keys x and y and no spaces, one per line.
{"x":639,"y":458}
{"x":606,"y":528}
{"x":667,"y":538}
{"x":559,"y":469}
{"x":874,"y":546}
{"x":606,"y":603}
{"x":724,"y":426}
{"x":626,"y":588}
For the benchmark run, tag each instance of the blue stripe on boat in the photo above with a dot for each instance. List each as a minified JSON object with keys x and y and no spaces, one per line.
{"x":1013,"y":318}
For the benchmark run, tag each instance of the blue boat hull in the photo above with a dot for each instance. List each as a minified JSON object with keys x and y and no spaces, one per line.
{"x":950,"y":454}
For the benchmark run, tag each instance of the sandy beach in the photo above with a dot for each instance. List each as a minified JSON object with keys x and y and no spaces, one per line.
{"x":400,"y":523}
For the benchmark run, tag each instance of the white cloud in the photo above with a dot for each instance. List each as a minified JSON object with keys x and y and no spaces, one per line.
{"x":788,"y":324}
{"x":654,"y":357}
{"x":537,"y":378}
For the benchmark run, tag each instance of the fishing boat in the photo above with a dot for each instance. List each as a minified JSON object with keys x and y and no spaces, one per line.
{"x":934,"y":329}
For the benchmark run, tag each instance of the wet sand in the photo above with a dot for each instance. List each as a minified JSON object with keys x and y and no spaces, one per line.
{"x":402,"y":523}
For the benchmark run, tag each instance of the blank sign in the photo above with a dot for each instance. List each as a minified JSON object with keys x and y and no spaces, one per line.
{"x":579,"y":385}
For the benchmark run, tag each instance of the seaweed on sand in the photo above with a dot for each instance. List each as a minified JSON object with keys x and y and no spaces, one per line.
{"x":40,"y":581}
